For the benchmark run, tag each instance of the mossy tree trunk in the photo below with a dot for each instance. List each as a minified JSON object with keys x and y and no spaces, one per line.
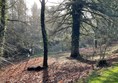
{"x":2,"y":27}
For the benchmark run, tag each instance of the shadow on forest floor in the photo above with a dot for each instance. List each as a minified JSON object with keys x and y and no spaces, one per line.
{"x":63,"y":70}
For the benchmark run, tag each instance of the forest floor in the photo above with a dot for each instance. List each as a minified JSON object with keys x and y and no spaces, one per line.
{"x":61,"y":70}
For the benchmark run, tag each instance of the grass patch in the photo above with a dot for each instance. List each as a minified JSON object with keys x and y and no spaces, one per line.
{"x":109,"y":75}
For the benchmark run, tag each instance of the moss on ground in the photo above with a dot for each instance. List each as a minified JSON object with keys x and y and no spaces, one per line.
{"x":106,"y":75}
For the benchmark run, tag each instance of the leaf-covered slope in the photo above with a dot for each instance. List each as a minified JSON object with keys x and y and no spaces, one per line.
{"x":60,"y":70}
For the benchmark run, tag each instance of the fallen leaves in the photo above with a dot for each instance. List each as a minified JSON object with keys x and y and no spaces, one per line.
{"x":59,"y":71}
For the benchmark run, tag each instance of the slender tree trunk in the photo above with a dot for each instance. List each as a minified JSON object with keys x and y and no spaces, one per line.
{"x":44,"y":34}
{"x":76,"y":18}
{"x":2,"y":27}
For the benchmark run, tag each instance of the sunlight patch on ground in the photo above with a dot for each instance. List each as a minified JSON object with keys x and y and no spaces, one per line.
{"x":109,"y":75}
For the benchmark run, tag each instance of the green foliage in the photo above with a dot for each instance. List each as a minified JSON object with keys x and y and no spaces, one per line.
{"x":109,"y":75}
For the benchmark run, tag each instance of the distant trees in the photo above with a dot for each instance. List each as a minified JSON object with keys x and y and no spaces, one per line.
{"x":70,"y":25}
{"x":16,"y":23}
{"x":84,"y":16}
{"x":23,"y":30}
{"x":35,"y":29}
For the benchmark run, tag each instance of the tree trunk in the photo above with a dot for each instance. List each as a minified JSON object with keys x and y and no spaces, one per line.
{"x":44,"y":34}
{"x":76,"y":18}
{"x":2,"y":27}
